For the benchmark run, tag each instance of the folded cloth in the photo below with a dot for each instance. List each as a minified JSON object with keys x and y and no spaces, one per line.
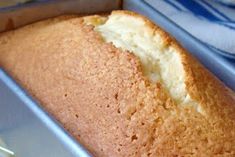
{"x":207,"y":20}
{"x":228,"y":2}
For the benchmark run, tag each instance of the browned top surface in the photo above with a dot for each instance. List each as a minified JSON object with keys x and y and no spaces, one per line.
{"x":101,"y":97}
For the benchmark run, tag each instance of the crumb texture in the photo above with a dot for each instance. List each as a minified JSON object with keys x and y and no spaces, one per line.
{"x":122,"y":87}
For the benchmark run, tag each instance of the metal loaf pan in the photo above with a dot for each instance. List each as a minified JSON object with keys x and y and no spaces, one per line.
{"x":30,"y":131}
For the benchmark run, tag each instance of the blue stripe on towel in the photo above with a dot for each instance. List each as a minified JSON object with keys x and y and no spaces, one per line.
{"x":226,"y":5}
{"x":224,"y":53}
{"x":173,"y":5}
{"x":226,"y":24}
{"x":216,"y":10}
{"x":198,"y":9}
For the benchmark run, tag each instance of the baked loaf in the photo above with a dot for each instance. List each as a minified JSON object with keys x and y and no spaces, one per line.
{"x":122,"y":86}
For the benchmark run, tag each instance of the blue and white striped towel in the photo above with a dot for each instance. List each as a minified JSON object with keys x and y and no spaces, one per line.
{"x":207,"y":20}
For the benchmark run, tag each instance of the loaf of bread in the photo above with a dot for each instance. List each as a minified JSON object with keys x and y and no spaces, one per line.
{"x":122,"y":86}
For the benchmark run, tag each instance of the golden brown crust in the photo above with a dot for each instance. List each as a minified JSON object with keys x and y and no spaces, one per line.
{"x":99,"y":94}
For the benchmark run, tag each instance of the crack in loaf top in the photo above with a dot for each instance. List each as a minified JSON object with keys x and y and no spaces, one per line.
{"x":101,"y":95}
